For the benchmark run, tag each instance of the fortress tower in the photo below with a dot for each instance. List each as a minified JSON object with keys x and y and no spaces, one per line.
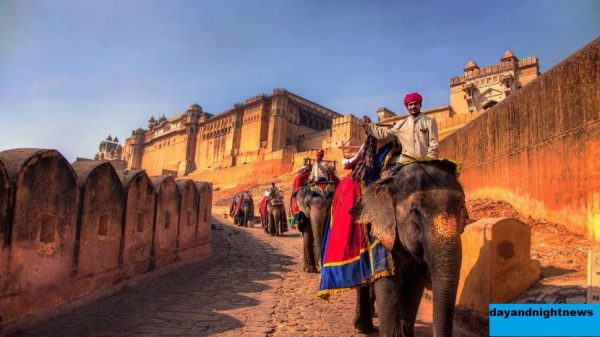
{"x":109,"y":149}
{"x":482,"y":88}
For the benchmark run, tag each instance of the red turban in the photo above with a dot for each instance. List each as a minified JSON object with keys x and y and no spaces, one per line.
{"x":412,"y":97}
{"x":320,"y":153}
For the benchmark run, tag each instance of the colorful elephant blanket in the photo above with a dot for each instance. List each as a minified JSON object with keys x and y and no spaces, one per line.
{"x":350,"y":256}
{"x":299,"y":181}
{"x":263,"y":207}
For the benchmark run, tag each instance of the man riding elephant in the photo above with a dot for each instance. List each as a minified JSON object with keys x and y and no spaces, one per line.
{"x":247,"y":207}
{"x":417,"y":213}
{"x":314,"y":200}
{"x":351,"y":257}
{"x":417,"y":133}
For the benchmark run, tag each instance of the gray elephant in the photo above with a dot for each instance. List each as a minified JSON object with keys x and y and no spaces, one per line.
{"x":314,"y":200}
{"x":276,"y":218}
{"x":247,"y":211}
{"x":418,"y":215}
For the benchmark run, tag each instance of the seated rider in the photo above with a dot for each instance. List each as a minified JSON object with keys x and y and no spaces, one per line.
{"x":274,"y":191}
{"x":320,"y":171}
{"x":417,"y":134}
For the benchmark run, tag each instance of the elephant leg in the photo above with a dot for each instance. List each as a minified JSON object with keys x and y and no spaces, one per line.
{"x":389,"y":308}
{"x":271,"y":225}
{"x":412,"y":291}
{"x":279,"y":224}
{"x":308,"y":243}
{"x":317,"y":222}
{"x":363,"y":321}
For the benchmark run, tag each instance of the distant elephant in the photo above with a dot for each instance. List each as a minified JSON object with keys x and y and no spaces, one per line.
{"x":246,"y":211}
{"x":276,"y":217}
{"x":314,"y":200}
{"x":418,"y":215}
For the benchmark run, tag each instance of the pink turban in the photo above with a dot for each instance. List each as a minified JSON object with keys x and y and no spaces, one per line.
{"x":412,"y":97}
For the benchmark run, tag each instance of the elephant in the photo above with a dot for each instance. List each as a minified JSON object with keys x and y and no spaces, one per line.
{"x":314,"y":200}
{"x":418,"y":215}
{"x":246,"y":212}
{"x":275,"y":216}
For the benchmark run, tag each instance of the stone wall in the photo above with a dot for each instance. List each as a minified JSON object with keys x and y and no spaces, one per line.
{"x":69,"y":231}
{"x":251,"y":173}
{"x":167,"y":152}
{"x":539,"y":148}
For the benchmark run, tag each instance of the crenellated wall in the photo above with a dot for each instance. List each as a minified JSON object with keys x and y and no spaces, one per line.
{"x":69,"y":231}
{"x":539,"y":149}
{"x":99,"y":228}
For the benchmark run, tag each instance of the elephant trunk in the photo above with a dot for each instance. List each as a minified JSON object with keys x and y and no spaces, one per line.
{"x":276,"y":219}
{"x":317,"y":220}
{"x":445,"y":272}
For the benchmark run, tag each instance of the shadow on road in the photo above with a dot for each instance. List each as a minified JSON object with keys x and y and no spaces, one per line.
{"x":199,"y":299}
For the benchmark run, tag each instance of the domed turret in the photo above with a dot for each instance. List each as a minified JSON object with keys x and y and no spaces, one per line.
{"x":471,"y":65}
{"x":162,"y":118}
{"x":195,"y":107}
{"x":508,"y":56}
{"x":116,"y":140}
{"x":109,"y":138}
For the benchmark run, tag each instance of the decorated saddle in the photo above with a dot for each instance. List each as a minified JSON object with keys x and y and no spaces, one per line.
{"x":350,"y":256}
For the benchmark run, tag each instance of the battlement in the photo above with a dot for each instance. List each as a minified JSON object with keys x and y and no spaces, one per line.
{"x":494,"y":69}
{"x":43,"y":263}
{"x":344,"y":120}
{"x":257,"y":98}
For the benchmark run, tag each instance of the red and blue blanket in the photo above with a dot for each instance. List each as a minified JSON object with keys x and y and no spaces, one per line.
{"x":350,"y":255}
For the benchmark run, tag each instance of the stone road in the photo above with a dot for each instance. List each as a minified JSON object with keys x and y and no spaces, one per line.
{"x":252,"y":285}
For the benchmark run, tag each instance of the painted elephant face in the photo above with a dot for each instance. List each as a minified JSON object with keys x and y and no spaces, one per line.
{"x":417,"y":208}
{"x":429,"y":219}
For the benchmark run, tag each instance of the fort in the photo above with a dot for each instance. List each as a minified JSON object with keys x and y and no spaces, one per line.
{"x":271,"y":134}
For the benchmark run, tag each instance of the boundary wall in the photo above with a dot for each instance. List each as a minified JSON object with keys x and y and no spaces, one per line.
{"x":539,"y":149}
{"x":69,"y":231}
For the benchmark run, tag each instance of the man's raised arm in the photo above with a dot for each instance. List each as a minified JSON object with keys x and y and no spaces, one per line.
{"x":376,"y":131}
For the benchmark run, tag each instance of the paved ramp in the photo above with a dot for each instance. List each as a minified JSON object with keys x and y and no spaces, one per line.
{"x":253,"y":285}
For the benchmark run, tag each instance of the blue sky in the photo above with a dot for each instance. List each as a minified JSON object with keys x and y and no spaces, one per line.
{"x":71,"y":72}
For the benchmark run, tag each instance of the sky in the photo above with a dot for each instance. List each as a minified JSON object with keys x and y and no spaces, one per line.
{"x":73,"y":72}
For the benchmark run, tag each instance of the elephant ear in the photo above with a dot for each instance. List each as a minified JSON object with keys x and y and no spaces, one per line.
{"x":376,"y":207}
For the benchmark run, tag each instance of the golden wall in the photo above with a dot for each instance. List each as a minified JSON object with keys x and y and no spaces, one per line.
{"x":165,"y":153}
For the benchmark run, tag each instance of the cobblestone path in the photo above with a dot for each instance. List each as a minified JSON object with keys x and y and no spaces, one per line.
{"x":253,"y":285}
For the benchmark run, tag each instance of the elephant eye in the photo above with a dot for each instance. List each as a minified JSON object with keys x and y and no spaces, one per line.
{"x":415,"y":217}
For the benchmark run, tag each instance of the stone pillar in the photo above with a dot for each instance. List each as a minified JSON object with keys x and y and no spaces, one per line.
{"x":138,"y":222}
{"x":99,"y":226}
{"x":188,"y":218}
{"x":42,"y":241}
{"x":496,"y":264}
{"x":166,"y":220}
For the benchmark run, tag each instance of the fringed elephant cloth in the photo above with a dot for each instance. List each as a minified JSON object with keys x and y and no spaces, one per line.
{"x":350,"y":256}
{"x":263,"y":207}
{"x":299,"y":181}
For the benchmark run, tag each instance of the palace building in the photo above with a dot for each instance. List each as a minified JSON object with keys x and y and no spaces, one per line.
{"x":263,"y":127}
{"x":284,"y":128}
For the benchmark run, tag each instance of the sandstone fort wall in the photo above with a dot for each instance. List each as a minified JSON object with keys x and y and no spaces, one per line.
{"x":165,"y":153}
{"x":69,"y":231}
{"x":251,"y":173}
{"x":539,"y":148}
